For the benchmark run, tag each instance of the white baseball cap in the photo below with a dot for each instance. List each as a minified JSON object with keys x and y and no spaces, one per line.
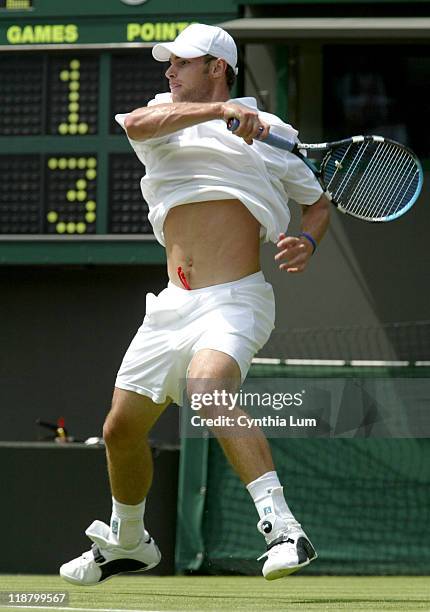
{"x":197,"y":40}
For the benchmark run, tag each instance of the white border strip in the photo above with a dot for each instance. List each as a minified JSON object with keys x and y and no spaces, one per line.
{"x":301,"y":362}
{"x":364,"y":362}
{"x":266,"y":361}
{"x":78,"y":609}
{"x":316,"y":362}
{"x":339,"y":362}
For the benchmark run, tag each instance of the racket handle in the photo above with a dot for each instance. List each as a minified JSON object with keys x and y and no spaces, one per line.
{"x":271,"y":139}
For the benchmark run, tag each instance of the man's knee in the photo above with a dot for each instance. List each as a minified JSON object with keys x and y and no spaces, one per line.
{"x":210,"y":364}
{"x":212,"y":373}
{"x":119,"y":431}
{"x":130,"y":419}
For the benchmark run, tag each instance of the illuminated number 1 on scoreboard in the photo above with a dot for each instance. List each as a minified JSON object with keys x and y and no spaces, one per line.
{"x":72,"y":77}
{"x":73,"y":95}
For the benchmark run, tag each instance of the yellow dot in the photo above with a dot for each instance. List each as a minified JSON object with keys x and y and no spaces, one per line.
{"x":64,"y":75}
{"x":81,"y":196}
{"x":62,"y":163}
{"x":81,"y":227}
{"x":52,"y":216}
{"x":71,"y":195}
{"x":73,"y":128}
{"x":81,"y":184}
{"x":52,"y":163}
{"x":73,"y":107}
{"x":91,"y":174}
{"x":73,"y":118}
{"x":82,"y":163}
{"x":83,"y":128}
{"x":61,"y":228}
{"x":73,"y":96}
{"x":90,"y":205}
{"x":74,"y":86}
{"x":74,"y":75}
{"x":75,"y":64}
{"x":71,"y":228}
{"x":71,"y":163}
{"x":63,"y":128}
{"x":90,"y":217}
{"x":91,"y":162}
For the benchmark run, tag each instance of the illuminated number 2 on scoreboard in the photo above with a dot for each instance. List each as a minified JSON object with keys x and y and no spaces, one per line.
{"x":71,"y":195}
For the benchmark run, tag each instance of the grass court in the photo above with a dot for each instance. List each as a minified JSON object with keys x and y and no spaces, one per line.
{"x":199,"y":593}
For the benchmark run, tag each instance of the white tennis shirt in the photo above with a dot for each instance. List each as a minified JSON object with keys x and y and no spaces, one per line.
{"x":207,"y":162}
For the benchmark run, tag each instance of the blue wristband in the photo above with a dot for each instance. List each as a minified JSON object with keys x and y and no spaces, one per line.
{"x":311,"y":240}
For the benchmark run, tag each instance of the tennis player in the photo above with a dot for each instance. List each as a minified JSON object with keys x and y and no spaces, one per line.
{"x":213,"y":197}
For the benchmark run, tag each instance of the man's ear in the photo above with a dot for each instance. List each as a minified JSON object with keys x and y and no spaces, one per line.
{"x":219,"y":68}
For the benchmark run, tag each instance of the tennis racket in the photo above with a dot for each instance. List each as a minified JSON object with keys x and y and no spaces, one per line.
{"x":369,"y":177}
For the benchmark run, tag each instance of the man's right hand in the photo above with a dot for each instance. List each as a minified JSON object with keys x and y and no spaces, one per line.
{"x":250,"y":124}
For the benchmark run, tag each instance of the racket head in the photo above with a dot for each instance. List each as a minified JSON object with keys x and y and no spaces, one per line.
{"x":372,"y":178}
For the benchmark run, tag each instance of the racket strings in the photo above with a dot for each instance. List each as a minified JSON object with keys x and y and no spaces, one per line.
{"x":389,"y":176}
{"x":372,"y":179}
{"x":374,"y":187}
{"x":405,"y":174}
{"x":372,"y":182}
{"x":358,"y":164}
{"x":354,"y":159}
{"x":342,"y":168}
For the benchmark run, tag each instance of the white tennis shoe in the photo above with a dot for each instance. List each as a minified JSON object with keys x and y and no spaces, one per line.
{"x":288,"y":551}
{"x":106,"y":559}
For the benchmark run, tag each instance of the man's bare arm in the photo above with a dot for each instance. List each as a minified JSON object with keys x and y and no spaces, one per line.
{"x":296,"y":251}
{"x":163,"y":119}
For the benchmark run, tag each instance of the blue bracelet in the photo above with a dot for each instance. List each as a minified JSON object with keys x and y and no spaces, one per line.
{"x":311,"y":240}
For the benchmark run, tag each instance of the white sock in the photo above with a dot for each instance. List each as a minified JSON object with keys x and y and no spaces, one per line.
{"x":261,"y":492}
{"x":126,"y":523}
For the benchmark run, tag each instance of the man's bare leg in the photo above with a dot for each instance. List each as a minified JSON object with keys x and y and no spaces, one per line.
{"x":289,"y":549}
{"x":124,"y":545}
{"x":250,"y":454}
{"x":128,"y":454}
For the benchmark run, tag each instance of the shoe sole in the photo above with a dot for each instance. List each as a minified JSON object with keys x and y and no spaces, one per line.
{"x":286,"y":571}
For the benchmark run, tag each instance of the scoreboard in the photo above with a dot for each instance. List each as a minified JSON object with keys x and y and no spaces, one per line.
{"x":69,"y":188}
{"x":54,"y":136}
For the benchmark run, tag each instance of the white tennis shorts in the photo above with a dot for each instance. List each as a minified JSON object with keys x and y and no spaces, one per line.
{"x":236,"y":318}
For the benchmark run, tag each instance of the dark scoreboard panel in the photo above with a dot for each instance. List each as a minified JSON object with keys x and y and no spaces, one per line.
{"x":134,"y":81}
{"x":128,"y":213}
{"x":48,"y":95}
{"x":66,"y":166}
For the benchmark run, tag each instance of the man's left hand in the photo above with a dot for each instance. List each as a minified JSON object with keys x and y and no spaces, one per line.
{"x":294,"y":253}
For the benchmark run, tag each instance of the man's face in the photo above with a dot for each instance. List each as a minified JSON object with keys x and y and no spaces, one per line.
{"x":189,"y":79}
